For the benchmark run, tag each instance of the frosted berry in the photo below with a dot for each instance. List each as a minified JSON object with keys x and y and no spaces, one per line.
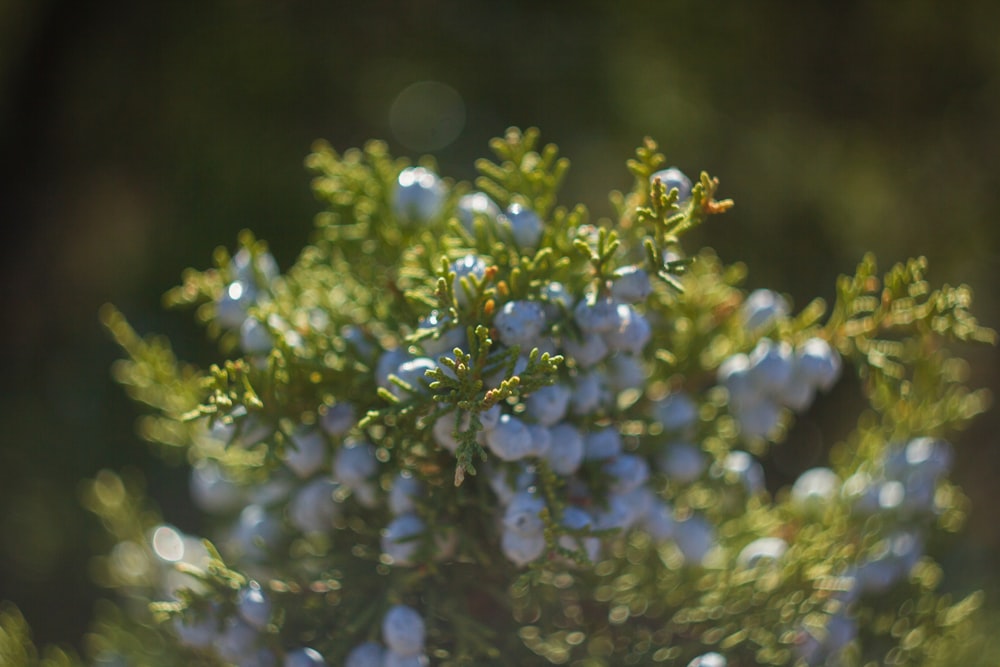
{"x":337,"y":420}
{"x":762,"y":308}
{"x":304,"y":657}
{"x":313,"y":508}
{"x":708,"y":660}
{"x":419,"y":196}
{"x":306,"y":452}
{"x":520,"y":323}
{"x":595,"y":314}
{"x":475,"y":205}
{"x":604,"y":443}
{"x":771,"y":366}
{"x":470,"y":265}
{"x":683,"y":462}
{"x":524,"y":224}
{"x":631,"y":285}
{"x":522,"y":548}
{"x":523,"y":514}
{"x":510,"y":439}
{"x":818,"y":362}
{"x":632,"y":332}
{"x":231,"y":306}
{"x":393,"y":659}
{"x":547,"y":406}
{"x":404,"y":493}
{"x":354,"y":463}
{"x":587,"y":350}
{"x":695,"y":537}
{"x":672,"y":178}
{"x":368,"y":654}
{"x":628,"y":472}
{"x":403,"y":630}
{"x":565,"y":452}
{"x":254,"y":337}
{"x":400,"y":539}
{"x":253,"y":606}
{"x":412,"y":372}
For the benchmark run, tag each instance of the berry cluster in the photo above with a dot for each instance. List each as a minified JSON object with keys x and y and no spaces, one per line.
{"x":526,"y":400}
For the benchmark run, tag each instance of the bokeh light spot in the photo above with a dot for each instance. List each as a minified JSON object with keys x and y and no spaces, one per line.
{"x":427,"y":116}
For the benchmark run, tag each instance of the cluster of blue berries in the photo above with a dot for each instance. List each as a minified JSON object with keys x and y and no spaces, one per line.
{"x":576,"y":459}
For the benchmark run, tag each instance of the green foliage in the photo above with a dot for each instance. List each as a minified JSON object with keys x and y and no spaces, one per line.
{"x":372,"y":286}
{"x":17,"y":649}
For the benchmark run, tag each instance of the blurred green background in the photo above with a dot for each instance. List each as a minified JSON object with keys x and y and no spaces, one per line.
{"x":136,"y":137}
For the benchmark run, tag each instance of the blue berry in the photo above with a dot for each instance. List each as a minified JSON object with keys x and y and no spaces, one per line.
{"x":238,"y":642}
{"x":520,"y":323}
{"x":708,"y":660}
{"x":604,"y":443}
{"x":631,"y":285}
{"x":510,"y":439}
{"x":368,"y":654}
{"x":556,"y":299}
{"x":446,"y":340}
{"x":683,"y":462}
{"x":306,"y":451}
{"x":212,"y":491}
{"x":403,"y":494}
{"x":548,"y":405}
{"x":253,"y":606}
{"x":762,"y":308}
{"x":523,"y":514}
{"x":256,"y":534}
{"x":628,"y":472}
{"x":566,"y":450}
{"x":745,"y":469}
{"x":400,"y":539}
{"x":231,"y":306}
{"x":632,"y":332}
{"x":695,"y":537}
{"x":475,"y":205}
{"x":419,"y":196}
{"x":590,"y":393}
{"x":624,"y":372}
{"x":658,"y":521}
{"x":393,"y":659}
{"x":354,"y":463}
{"x":337,"y":420}
{"x":197,"y":631}
{"x":524,"y":224}
{"x":254,"y":337}
{"x":620,"y":513}
{"x":818,"y":363}
{"x":521,"y":548}
{"x":575,"y":518}
{"x":403,"y":630}
{"x":677,"y":413}
{"x":541,"y":440}
{"x":672,"y":178}
{"x":388,"y":363}
{"x":313,"y":508}
{"x":587,"y":350}
{"x":595,"y":314}
{"x":771,"y":366}
{"x":464,"y":268}
{"x":412,"y":372}
{"x":257,"y":271}
{"x":304,"y":657}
